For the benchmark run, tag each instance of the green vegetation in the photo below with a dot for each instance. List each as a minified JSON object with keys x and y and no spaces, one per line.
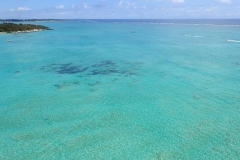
{"x":12,"y":27}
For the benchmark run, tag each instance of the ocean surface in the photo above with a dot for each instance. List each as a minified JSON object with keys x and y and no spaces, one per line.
{"x":121,"y":90}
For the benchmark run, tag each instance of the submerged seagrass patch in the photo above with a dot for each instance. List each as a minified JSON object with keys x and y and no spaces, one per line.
{"x":106,"y":67}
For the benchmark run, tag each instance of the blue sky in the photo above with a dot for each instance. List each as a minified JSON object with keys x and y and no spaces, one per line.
{"x":124,"y":9}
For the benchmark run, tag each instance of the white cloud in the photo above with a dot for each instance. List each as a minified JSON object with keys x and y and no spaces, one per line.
{"x":23,"y":9}
{"x":82,"y":6}
{"x":199,"y":11}
{"x":120,"y":4}
{"x":60,"y":7}
{"x":226,"y":1}
{"x":177,"y":1}
{"x":127,"y":5}
{"x":12,"y":10}
{"x":131,"y":5}
{"x":63,"y":13}
{"x":86,"y":6}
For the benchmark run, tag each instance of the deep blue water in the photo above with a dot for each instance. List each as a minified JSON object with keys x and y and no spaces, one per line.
{"x":121,"y":89}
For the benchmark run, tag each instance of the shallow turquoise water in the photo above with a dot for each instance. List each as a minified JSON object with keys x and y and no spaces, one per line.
{"x":98,"y":91}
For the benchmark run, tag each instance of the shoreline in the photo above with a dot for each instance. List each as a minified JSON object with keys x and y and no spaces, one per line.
{"x":21,"y":28}
{"x":28,"y":31}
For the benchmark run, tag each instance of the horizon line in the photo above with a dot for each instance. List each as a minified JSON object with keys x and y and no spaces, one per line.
{"x":121,"y":19}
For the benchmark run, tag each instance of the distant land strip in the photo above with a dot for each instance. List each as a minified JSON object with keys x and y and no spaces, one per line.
{"x":18,"y":28}
{"x":28,"y":20}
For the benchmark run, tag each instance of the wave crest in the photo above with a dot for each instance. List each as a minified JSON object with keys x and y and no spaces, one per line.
{"x":231,"y":40}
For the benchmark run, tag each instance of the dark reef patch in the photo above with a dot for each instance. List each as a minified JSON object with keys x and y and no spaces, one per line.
{"x":106,"y":67}
{"x":46,"y":120}
{"x":67,"y":68}
{"x":104,"y":64}
{"x":94,"y":84}
{"x":72,"y":70}
{"x":67,"y":84}
{"x":103,"y":72}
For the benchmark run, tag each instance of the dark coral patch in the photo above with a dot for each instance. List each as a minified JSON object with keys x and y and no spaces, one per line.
{"x":17,"y":72}
{"x":107,"y":67}
{"x":104,"y":64}
{"x":67,"y":84}
{"x":71,"y":70}
{"x":67,"y":68}
{"x":94,"y":84}
{"x":103,"y":72}
{"x":104,"y":68}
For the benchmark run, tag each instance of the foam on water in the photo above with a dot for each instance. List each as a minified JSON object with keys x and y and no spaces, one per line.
{"x":96,"y":91}
{"x":193,"y":36}
{"x":231,"y":40}
{"x":167,"y":23}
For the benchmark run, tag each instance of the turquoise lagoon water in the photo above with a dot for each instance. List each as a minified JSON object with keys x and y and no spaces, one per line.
{"x":121,"y":89}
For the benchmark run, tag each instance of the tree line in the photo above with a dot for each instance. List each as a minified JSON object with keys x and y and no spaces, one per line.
{"x":12,"y":27}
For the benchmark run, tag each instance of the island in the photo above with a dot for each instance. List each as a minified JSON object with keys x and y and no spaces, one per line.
{"x":30,"y":20}
{"x":18,"y":28}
